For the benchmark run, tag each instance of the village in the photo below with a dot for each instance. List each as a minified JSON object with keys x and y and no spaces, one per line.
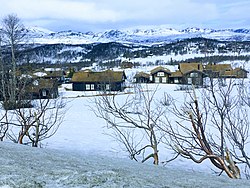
{"x":44,"y":83}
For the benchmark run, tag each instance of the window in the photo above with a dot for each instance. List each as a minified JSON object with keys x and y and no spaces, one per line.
{"x":107,"y":87}
{"x":164,"y":80}
{"x":157,"y":80}
{"x":176,"y":80}
{"x":160,"y":74}
{"x":92,"y":87}
{"x":87,"y":86}
{"x":44,"y":93}
{"x":189,"y":80}
{"x":194,"y":74}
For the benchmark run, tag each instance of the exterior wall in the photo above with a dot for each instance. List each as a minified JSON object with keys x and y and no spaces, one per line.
{"x":43,"y":93}
{"x":241,"y":74}
{"x":141,"y":80}
{"x":195,"y":78}
{"x":175,"y":80}
{"x":114,"y":86}
{"x":160,"y":77}
{"x":48,"y":93}
{"x":78,"y":86}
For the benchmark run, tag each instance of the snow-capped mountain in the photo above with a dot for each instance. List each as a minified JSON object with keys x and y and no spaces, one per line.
{"x":134,"y":35}
{"x":136,"y":44}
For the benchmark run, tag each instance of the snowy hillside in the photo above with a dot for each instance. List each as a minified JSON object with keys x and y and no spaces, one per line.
{"x":23,"y":166}
{"x":134,"y":35}
{"x":161,"y":44}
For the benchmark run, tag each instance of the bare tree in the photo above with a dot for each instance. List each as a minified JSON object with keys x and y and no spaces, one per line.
{"x":39,"y":122}
{"x":237,"y":130}
{"x":28,"y":120}
{"x":4,"y":126}
{"x":3,"y":117}
{"x":204,"y":127}
{"x":13,"y":33}
{"x":134,"y":122}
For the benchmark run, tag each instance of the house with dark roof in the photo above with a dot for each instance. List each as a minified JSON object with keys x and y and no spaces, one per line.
{"x":192,"y":73}
{"x":55,"y":74}
{"x":29,"y":88}
{"x":217,"y":70}
{"x":176,"y":77}
{"x":188,"y":73}
{"x":160,"y":75}
{"x":240,"y":73}
{"x":224,"y":71}
{"x":51,"y":73}
{"x":98,"y":81}
{"x":41,"y":88}
{"x":142,"y":77}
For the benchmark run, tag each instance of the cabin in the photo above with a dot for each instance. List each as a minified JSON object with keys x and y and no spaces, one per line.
{"x":59,"y":75}
{"x":126,"y":65}
{"x":225,"y":71}
{"x":193,"y":77}
{"x":41,"y":89}
{"x":142,"y":77}
{"x":192,"y":73}
{"x":98,"y":81}
{"x":160,"y":75}
{"x":240,"y":73}
{"x":51,"y":73}
{"x":176,"y":77}
{"x":34,"y":88}
{"x":218,"y":70}
{"x":188,"y":73}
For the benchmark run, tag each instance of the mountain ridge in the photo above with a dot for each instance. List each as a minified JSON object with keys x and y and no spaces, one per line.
{"x":137,"y":35}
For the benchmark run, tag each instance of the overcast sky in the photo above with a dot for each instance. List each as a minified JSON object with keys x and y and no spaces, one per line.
{"x":99,"y":15}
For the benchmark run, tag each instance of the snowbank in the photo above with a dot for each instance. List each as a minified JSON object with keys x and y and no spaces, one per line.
{"x":23,"y":166}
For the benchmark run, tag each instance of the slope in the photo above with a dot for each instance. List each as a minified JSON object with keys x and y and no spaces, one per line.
{"x":23,"y":166}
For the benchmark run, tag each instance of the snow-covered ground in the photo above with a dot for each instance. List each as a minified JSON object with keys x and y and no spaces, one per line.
{"x":82,"y":154}
{"x":23,"y":166}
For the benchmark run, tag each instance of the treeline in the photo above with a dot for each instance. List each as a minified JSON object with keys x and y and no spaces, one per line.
{"x":86,"y":54}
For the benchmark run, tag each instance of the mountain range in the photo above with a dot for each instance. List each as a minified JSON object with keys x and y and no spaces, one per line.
{"x":147,"y":36}
{"x":139,"y":45}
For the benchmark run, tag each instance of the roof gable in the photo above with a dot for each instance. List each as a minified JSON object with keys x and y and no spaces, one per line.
{"x":142,"y":74}
{"x":160,"y":68}
{"x":194,"y":71}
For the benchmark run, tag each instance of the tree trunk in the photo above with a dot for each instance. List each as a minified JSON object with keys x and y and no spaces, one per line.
{"x":20,"y":139}
{"x":156,"y":159}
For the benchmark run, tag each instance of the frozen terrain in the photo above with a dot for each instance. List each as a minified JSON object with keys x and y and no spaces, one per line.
{"x":81,"y":154}
{"x":23,"y":166}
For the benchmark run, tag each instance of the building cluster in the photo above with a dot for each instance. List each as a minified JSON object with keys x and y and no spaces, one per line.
{"x":36,"y":85}
{"x":187,"y":73}
{"x":44,"y":83}
{"x":190,"y":73}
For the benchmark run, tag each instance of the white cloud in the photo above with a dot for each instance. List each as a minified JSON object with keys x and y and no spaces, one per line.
{"x":162,"y":9}
{"x":56,"y":9}
{"x":112,"y":13}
